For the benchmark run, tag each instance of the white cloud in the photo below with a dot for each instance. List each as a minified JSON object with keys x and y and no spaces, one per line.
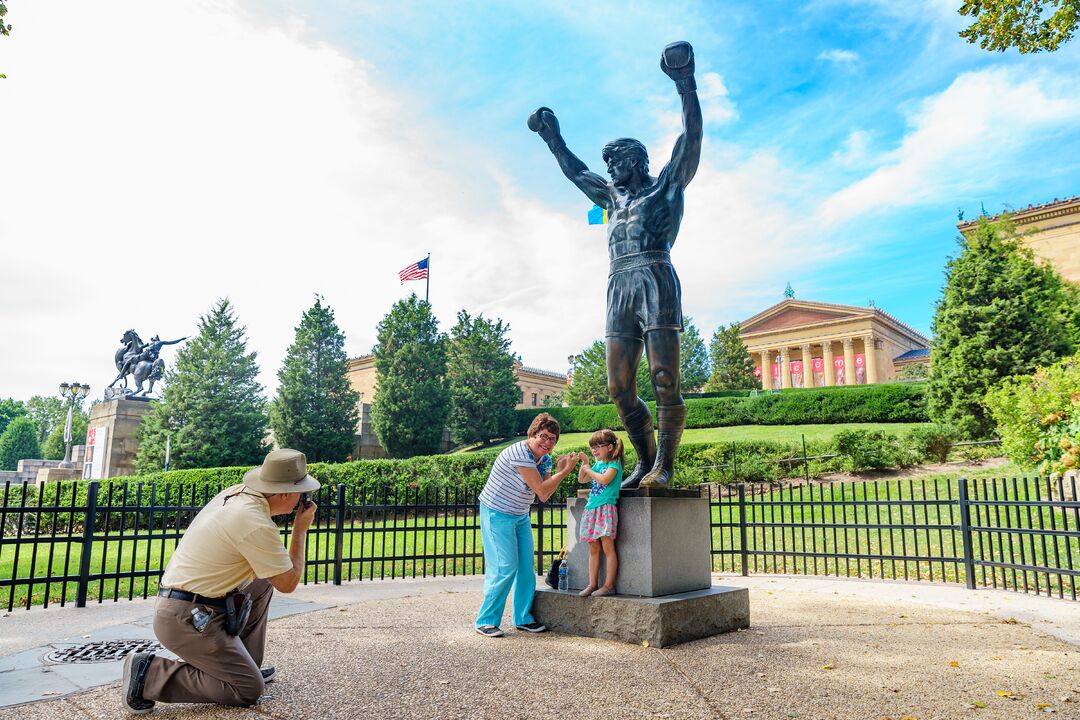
{"x":717,"y":106}
{"x":146,"y":175}
{"x":838,"y":56}
{"x":960,"y":138}
{"x":855,"y":150}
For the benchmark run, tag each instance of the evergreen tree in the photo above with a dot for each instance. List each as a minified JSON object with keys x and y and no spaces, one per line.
{"x":9,"y":410}
{"x":693,"y":358}
{"x":412,"y":401}
{"x":19,"y":442}
{"x":212,"y":404}
{"x":480,"y":371}
{"x":315,"y":410}
{"x":47,"y":413}
{"x":733,"y":367}
{"x":588,"y":385}
{"x":1000,"y":314}
{"x":54,"y":448}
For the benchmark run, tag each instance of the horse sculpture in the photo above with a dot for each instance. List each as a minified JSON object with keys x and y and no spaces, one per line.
{"x":141,"y":361}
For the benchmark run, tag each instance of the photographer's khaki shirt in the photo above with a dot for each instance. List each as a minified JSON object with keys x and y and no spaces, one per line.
{"x":226,"y":544}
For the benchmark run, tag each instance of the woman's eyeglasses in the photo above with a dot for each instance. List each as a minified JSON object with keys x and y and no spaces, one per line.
{"x":549,"y":439}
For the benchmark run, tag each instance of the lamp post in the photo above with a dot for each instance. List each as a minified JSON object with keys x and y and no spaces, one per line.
{"x":571,"y":360}
{"x":73,"y":393}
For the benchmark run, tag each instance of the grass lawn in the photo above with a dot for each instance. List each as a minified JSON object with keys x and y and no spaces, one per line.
{"x":785,"y":528}
{"x":744,"y":433}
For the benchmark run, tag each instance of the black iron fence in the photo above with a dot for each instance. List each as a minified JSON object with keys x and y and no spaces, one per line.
{"x":76,"y":542}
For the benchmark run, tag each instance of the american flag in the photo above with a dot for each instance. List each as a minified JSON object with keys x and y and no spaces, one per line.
{"x":416,"y":271}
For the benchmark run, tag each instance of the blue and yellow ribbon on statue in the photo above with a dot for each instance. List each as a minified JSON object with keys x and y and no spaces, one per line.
{"x":598,"y":215}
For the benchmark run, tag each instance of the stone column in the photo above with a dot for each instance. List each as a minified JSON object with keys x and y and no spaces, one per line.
{"x":785,"y":369}
{"x":871,"y":359}
{"x":826,"y":356}
{"x":766,"y":370}
{"x":849,"y":362}
{"x":807,"y":367}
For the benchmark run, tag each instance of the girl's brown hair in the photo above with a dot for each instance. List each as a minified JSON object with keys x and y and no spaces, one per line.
{"x":608,"y":437}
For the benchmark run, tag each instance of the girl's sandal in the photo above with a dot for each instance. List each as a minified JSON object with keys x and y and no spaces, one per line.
{"x":587,"y":591}
{"x":603,"y":591}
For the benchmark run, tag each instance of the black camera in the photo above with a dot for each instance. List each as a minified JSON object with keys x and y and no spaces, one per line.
{"x":306,"y":499}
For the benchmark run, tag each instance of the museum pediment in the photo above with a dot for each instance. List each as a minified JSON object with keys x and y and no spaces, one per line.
{"x":790,"y":314}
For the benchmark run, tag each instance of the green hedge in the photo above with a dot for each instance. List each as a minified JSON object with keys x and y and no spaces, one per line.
{"x":897,"y":402}
{"x":755,"y":461}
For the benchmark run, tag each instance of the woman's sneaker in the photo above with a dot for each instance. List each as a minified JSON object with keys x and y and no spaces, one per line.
{"x":533,"y":627}
{"x":268,"y":673}
{"x":489,"y":631}
{"x":135,"y":665}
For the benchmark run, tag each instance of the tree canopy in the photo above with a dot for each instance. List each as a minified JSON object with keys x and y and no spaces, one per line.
{"x":588,"y":385}
{"x":480,"y":371}
{"x":9,"y":410}
{"x":212,"y":404}
{"x":732,"y":365}
{"x":315,"y":410}
{"x":54,"y":447}
{"x":1030,"y":26}
{"x":47,"y":412}
{"x":1000,"y":314}
{"x":412,"y":401}
{"x":18,"y":442}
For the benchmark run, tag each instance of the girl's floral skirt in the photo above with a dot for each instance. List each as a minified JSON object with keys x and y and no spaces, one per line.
{"x":599,"y":522}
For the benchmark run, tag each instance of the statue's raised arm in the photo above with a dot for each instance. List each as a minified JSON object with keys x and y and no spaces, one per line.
{"x":677,"y":62}
{"x":546,"y":125}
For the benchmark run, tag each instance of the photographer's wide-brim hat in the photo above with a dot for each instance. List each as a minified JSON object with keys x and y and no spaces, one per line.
{"x":283,"y":471}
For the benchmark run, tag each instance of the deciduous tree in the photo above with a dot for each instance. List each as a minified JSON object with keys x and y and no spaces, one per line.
{"x":315,"y":410}
{"x":47,"y":412}
{"x":18,"y":442}
{"x":1030,"y":26}
{"x":588,"y":385}
{"x":412,"y":401}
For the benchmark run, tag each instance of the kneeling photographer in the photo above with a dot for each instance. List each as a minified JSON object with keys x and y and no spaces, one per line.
{"x":216,"y":589}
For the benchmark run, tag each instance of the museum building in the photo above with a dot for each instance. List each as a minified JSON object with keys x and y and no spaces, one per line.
{"x":1054,"y":237}
{"x":800,"y":343}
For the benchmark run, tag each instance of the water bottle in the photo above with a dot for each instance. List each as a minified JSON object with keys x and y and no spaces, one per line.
{"x":563,"y":582}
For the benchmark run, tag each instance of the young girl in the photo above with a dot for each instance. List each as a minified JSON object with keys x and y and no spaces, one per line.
{"x":601,"y":517}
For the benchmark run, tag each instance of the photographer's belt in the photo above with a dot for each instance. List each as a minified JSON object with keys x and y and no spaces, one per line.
{"x":641,"y":259}
{"x":185,"y":596}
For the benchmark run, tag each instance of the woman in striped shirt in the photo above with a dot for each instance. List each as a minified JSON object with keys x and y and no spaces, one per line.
{"x":520,"y":473}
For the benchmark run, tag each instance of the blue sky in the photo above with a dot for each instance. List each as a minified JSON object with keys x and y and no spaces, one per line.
{"x":267,"y":151}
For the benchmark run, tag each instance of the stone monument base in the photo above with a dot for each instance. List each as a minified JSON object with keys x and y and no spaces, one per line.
{"x":661,"y":621}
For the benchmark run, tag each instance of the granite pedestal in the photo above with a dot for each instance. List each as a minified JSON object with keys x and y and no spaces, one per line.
{"x":664,"y":593}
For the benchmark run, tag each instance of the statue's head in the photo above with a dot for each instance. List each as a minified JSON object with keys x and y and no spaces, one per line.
{"x":624,"y":158}
{"x":155,"y":338}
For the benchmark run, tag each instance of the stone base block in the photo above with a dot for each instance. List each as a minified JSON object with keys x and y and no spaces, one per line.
{"x":662,"y":621}
{"x":46,"y":475}
{"x":663,"y":544}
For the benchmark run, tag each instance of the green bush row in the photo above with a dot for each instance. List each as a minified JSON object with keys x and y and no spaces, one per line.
{"x":384,"y":481}
{"x":896,"y":402}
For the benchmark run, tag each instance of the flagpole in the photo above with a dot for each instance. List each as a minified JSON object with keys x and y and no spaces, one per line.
{"x":427,"y":278}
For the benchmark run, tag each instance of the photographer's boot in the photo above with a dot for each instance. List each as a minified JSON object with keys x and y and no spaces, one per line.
{"x":135,"y":666}
{"x":639,"y":429}
{"x":672,"y":420}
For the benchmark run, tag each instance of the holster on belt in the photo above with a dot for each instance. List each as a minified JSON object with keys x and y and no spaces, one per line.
{"x":237,"y":609}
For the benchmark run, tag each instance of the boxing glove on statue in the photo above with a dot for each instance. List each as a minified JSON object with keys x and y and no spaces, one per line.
{"x":677,"y":62}
{"x":543,"y":121}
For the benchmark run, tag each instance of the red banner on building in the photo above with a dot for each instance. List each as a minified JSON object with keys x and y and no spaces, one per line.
{"x":818,"y":366}
{"x":838,"y":370}
{"x":860,"y":369}
{"x":796,"y":373}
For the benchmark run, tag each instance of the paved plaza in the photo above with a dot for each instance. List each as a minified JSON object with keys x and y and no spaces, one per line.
{"x":817,"y":648}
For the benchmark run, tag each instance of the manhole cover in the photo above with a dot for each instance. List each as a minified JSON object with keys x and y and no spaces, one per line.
{"x":102,"y":651}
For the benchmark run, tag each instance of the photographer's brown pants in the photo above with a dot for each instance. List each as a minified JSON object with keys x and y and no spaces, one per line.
{"x":216,"y":667}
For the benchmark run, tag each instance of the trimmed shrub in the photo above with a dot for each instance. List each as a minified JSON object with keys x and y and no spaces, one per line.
{"x":933,"y":442}
{"x":874,"y":450}
{"x":896,"y":402}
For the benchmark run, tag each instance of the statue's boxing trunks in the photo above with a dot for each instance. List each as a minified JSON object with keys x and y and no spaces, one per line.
{"x":643,"y":294}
